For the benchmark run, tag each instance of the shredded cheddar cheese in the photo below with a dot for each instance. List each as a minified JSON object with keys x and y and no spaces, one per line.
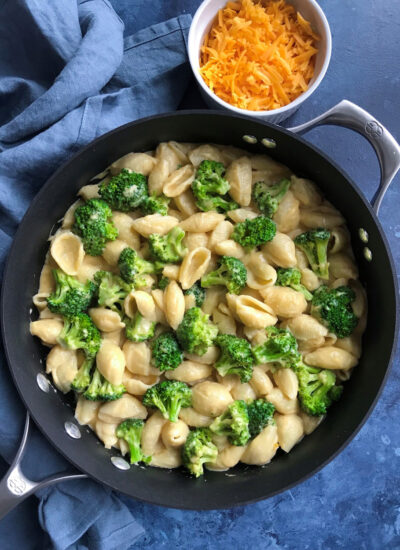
{"x":258,"y":55}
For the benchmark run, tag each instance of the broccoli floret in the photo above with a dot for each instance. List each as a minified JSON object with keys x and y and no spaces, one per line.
{"x":268,"y":197}
{"x":139,"y":328}
{"x":210,"y":188}
{"x":234,"y":423}
{"x":252,"y":233}
{"x":126,"y":191}
{"x":335,"y":393}
{"x":211,"y":173}
{"x":163,"y":283}
{"x":168,"y":248}
{"x":261,"y":413}
{"x":79,"y":332}
{"x":236,"y":357}
{"x":94,"y":226}
{"x":155,"y":204}
{"x":166,"y":353}
{"x":291,"y":276}
{"x":130,"y":430}
{"x":101,"y":389}
{"x":198,"y":293}
{"x":112,"y":290}
{"x":195,"y":333}
{"x":280,"y":347}
{"x":332,"y":307}
{"x":197,"y":450}
{"x":70,"y":296}
{"x":314,"y":244}
{"x":82,"y":377}
{"x":207,"y":202}
{"x":231,"y":273}
{"x":132,"y":267}
{"x":169,"y":397}
{"x":317,"y":389}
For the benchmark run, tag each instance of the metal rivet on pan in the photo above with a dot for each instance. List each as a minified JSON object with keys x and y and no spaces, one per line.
{"x":72,"y":430}
{"x":42,"y":382}
{"x":250,"y":139}
{"x":367,"y":254}
{"x":363,"y":235}
{"x":120,"y":463}
{"x":269,"y":143}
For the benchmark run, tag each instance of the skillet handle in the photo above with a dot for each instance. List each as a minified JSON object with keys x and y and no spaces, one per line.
{"x":15,"y":487}
{"x":387,"y":149}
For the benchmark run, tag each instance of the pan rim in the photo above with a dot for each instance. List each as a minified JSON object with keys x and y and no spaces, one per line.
{"x":201,"y":112}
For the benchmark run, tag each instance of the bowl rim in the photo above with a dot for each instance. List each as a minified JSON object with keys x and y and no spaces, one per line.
{"x":293,"y":105}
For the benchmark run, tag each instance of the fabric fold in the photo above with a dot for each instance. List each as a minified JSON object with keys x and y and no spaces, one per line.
{"x":94,"y":20}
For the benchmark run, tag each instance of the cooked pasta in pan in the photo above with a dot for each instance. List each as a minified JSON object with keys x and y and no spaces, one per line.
{"x":204,"y":306}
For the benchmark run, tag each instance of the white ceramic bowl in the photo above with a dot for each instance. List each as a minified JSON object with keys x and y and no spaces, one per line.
{"x":201,"y":24}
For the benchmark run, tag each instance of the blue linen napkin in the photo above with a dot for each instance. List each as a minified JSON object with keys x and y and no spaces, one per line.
{"x":67,"y":76}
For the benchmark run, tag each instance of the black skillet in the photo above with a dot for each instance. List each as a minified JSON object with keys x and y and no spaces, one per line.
{"x":51,"y":410}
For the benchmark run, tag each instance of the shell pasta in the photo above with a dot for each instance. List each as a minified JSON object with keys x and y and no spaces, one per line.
{"x":204,"y":306}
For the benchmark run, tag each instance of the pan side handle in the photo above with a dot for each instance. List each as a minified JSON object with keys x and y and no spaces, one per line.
{"x":387,"y":149}
{"x":15,"y":487}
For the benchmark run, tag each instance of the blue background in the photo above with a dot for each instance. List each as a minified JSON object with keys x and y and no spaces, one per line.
{"x":355,"y":501}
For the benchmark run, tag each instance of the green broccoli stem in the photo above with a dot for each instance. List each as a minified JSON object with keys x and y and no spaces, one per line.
{"x":243,"y":371}
{"x":322,"y":260}
{"x":314,"y":244}
{"x":212,"y":279}
{"x":158,"y":402}
{"x":130,"y":430}
{"x":174,"y":407}
{"x":82,"y":377}
{"x":134,"y":449}
{"x":92,"y":392}
{"x":306,"y":293}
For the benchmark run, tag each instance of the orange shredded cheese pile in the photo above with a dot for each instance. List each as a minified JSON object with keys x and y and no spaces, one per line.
{"x":258,"y":55}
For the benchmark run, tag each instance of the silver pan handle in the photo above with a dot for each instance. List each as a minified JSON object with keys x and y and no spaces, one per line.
{"x":386,"y":147}
{"x":15,"y":487}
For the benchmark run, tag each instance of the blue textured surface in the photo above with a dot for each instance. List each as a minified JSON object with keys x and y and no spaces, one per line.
{"x":354,"y":502}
